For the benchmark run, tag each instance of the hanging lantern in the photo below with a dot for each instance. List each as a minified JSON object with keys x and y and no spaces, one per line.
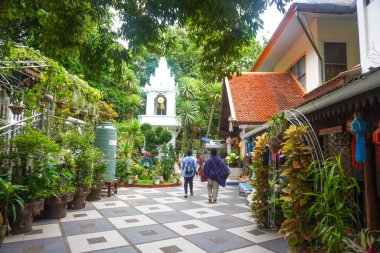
{"x":358,"y":128}
{"x":376,"y":141}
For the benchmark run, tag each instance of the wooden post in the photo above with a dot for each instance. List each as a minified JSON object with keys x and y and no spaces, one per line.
{"x":372,"y":214}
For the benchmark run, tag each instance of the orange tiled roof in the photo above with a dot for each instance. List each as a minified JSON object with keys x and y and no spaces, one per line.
{"x":258,"y":96}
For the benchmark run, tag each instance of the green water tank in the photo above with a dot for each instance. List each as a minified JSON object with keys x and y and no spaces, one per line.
{"x":105,"y":140}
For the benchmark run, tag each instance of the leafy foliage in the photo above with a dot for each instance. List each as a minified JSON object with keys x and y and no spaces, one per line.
{"x":297,"y":226}
{"x":10,"y":199}
{"x":260,"y":181}
{"x":332,"y":208}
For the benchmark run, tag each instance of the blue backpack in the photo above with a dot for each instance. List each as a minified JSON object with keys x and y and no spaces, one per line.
{"x":189,"y":168}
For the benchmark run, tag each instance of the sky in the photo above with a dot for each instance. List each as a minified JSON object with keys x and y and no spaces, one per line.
{"x":271,"y":18}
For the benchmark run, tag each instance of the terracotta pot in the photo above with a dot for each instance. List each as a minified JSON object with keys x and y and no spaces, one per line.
{"x":96,"y":193}
{"x":38,"y":206}
{"x":61,"y":104}
{"x":16,"y":109}
{"x":3,"y":232}
{"x":79,"y":201}
{"x":55,"y":206}
{"x":83,"y":112}
{"x":24,"y":219}
{"x":73,"y":109}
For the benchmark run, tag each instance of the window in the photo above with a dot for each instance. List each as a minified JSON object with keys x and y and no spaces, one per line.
{"x":298,"y":69}
{"x":335,"y":59}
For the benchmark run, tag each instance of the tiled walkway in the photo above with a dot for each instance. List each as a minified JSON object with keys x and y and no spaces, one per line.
{"x":152,"y":220}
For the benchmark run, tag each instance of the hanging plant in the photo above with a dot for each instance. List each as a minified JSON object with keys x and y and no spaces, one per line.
{"x":260,"y":181}
{"x":296,"y":227}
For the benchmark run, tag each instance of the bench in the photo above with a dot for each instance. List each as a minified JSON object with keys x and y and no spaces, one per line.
{"x":112,"y":186}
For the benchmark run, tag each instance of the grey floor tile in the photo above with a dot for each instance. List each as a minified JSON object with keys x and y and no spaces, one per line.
{"x":118,"y":212}
{"x":167,"y":217}
{"x":218,"y":241}
{"x":56,"y":245}
{"x":145,"y":234}
{"x":226,"y":221}
{"x":278,"y":245}
{"x":86,"y":226}
{"x":183,"y":205}
{"x":229,"y":209}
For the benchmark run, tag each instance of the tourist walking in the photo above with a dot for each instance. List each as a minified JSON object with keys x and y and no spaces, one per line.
{"x":216,"y":172}
{"x":188,"y":170}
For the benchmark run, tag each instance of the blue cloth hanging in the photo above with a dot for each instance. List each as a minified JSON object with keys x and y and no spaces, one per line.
{"x":359,"y":127}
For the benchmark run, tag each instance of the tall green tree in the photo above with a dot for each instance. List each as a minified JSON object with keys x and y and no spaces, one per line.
{"x":187,"y":114}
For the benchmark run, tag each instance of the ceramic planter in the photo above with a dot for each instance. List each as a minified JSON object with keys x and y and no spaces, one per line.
{"x":95,"y":193}
{"x":55,"y":206}
{"x":24,"y":219}
{"x":79,"y":201}
{"x":3,"y":232}
{"x":61,"y":104}
{"x":130,"y":181}
{"x":73,"y":109}
{"x":38,"y":206}
{"x":157,"y":181}
{"x":16,"y":109}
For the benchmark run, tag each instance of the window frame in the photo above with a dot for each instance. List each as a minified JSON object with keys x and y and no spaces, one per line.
{"x":298,"y":59}
{"x":332,"y":63}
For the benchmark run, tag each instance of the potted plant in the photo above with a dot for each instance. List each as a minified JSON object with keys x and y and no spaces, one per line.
{"x":79,"y":159}
{"x":35,"y":152}
{"x":17,"y":105}
{"x":99,"y":168}
{"x":11,"y":206}
{"x":62,"y":97}
{"x":130,"y":179}
{"x":74,"y":102}
{"x":232,"y":160}
{"x":61,"y":192}
{"x":82,"y":105}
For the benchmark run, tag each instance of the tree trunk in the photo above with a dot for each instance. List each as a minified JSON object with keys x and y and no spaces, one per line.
{"x":183,"y":140}
{"x":209,"y":122}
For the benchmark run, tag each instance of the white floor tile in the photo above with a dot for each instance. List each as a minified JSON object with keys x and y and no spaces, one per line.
{"x":48,"y":231}
{"x":255,"y":249}
{"x":244,"y":216}
{"x":154,"y":208}
{"x":244,"y":232}
{"x":109,"y":204}
{"x":146,"y":191}
{"x":131,"y":196}
{"x":190,"y":227}
{"x":81,"y":215}
{"x":182,"y":244}
{"x":167,"y":200}
{"x":80,"y":243}
{"x":131,"y":221}
{"x":220,"y":196}
{"x":205,"y":203}
{"x":204,"y":212}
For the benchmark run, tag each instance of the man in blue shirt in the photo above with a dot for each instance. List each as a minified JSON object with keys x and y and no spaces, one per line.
{"x":188,"y":170}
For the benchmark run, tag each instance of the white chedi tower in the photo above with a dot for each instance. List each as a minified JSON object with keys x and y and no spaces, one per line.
{"x":160,"y":100}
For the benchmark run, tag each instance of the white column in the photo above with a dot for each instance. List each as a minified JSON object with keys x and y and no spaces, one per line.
{"x":363,"y":34}
{"x":150,"y":103}
{"x":170,"y":96}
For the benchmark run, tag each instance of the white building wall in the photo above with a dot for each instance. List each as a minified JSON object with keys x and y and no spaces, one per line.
{"x":369,"y":33}
{"x":340,"y":30}
{"x":302,"y":47}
